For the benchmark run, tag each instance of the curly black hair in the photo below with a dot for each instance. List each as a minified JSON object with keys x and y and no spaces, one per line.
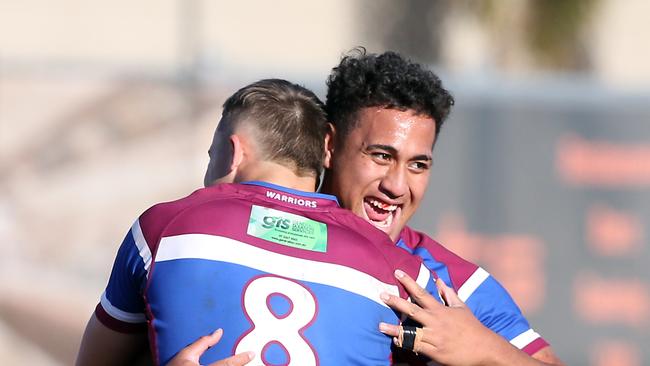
{"x":388,"y":80}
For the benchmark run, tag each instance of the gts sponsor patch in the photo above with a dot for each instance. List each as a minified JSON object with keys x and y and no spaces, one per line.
{"x":287,"y":229}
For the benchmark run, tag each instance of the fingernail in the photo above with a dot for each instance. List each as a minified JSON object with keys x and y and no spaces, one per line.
{"x":384,"y":296}
{"x":383,"y":327}
{"x":399,"y":273}
{"x":250,"y":354}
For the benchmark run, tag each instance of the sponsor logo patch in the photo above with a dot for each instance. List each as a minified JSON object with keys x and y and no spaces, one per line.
{"x":287,"y":229}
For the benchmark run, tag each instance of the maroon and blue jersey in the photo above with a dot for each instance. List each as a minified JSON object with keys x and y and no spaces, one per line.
{"x":481,"y":292}
{"x":286,"y":274}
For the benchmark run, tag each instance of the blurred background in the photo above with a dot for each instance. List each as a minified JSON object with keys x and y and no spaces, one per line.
{"x":541,"y":174}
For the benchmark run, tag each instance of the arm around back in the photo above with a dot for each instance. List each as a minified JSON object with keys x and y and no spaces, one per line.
{"x":102,"y":346}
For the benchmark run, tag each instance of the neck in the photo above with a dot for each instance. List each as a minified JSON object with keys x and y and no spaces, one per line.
{"x":278,"y":174}
{"x":327,"y":184}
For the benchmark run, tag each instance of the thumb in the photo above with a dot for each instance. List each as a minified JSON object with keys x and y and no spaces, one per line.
{"x":196,"y":349}
{"x":448,"y":295}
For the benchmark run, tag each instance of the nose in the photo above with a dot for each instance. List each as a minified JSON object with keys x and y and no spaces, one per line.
{"x":394,"y":183}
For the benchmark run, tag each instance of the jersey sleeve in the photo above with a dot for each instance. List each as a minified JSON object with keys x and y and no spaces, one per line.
{"x":122,"y":307}
{"x":482,"y":293}
{"x":495,"y":308}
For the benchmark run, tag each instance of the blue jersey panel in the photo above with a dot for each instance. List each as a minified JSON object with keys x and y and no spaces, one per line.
{"x":289,"y":319}
{"x":494,"y":307}
{"x":439,"y":268}
{"x":433,"y":265}
{"x":401,"y":244}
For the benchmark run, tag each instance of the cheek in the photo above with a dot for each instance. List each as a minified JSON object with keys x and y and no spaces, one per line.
{"x":355,"y":180}
{"x":366,"y":173}
{"x":349,"y":167}
{"x":418,"y":187}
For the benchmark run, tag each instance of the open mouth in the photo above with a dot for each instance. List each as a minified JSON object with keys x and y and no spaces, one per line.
{"x":380,"y":213}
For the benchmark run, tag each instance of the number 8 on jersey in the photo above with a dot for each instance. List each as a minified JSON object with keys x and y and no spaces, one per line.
{"x":283,"y":330}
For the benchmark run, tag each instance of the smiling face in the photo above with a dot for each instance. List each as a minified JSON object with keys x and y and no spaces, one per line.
{"x":380,"y":170}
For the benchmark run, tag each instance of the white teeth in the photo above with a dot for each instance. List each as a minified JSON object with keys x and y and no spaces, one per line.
{"x":382,"y":205}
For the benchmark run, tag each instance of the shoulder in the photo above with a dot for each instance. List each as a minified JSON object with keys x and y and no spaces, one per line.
{"x":440,"y":259}
{"x":484,"y":295}
{"x":187,"y":213}
{"x":470,"y":281}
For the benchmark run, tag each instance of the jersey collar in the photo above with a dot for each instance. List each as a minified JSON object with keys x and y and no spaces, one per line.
{"x":295,"y":192}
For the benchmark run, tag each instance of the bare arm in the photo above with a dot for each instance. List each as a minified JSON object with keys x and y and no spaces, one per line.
{"x":448,"y":332}
{"x":102,"y":346}
{"x":547,"y":356}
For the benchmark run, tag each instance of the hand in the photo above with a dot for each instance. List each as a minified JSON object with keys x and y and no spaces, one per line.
{"x":189,"y":356}
{"x":448,"y":332}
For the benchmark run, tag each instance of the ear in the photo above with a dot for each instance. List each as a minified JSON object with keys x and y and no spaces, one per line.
{"x":237,"y":152}
{"x":330,"y":136}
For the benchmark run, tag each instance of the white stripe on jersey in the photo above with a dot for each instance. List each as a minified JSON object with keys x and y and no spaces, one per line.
{"x":141,"y":243}
{"x":213,"y":247}
{"x":472,"y":283}
{"x":121,"y":314}
{"x":423,"y":276}
{"x":524,"y":338}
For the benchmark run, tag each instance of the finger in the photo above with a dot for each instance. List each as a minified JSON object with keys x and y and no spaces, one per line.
{"x":408,"y":308}
{"x":236,"y":360}
{"x":426,"y":349}
{"x":409,"y":337}
{"x":448,"y":294}
{"x":389,"y":329}
{"x":421,"y":344}
{"x":417,"y":293}
{"x":196,"y":349}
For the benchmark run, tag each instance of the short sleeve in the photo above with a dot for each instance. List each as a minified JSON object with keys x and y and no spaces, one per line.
{"x":122,"y":307}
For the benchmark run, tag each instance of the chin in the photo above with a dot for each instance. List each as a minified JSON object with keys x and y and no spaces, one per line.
{"x":393,"y":236}
{"x":390,"y":231}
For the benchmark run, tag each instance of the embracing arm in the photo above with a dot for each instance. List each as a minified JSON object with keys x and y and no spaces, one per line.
{"x":189,"y":356}
{"x":547,"y":357}
{"x":102,"y":346}
{"x":448,"y":332}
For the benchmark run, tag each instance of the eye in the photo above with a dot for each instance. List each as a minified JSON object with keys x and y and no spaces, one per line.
{"x":382,"y":156}
{"x":419,"y":166}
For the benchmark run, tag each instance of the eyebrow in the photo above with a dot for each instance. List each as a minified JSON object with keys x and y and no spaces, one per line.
{"x":393,"y":151}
